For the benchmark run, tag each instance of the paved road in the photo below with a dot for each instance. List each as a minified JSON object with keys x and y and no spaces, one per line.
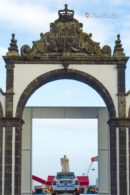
{"x":66,"y":194}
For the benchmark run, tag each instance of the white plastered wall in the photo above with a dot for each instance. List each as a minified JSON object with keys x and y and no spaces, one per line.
{"x":24,"y":74}
{"x":106,"y":74}
{"x":2,"y":101}
{"x":127,"y":104}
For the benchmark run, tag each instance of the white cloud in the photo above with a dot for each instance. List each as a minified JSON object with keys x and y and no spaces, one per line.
{"x":120,"y":2}
{"x":36,"y":18}
{"x":33,"y":17}
{"x":102,"y":29}
{"x":28,"y":17}
{"x":68,"y":93}
{"x":125,"y":38}
{"x":3,"y":51}
{"x":126,"y":43}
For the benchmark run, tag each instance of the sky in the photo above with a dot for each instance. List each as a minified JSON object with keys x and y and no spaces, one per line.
{"x":27,"y":19}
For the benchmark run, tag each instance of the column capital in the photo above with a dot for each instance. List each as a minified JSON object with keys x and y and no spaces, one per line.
{"x":121,"y":64}
{"x":119,"y":122}
{"x":11,"y":122}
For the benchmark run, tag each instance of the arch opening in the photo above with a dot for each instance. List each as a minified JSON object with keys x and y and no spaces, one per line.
{"x":65,"y":92}
{"x":53,"y":138}
{"x":44,"y":80}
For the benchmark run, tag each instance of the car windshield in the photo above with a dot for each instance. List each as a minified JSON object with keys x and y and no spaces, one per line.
{"x":65,"y":176}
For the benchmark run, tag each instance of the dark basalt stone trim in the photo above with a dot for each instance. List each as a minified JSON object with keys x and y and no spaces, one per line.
{"x":121,"y":80}
{"x":9,"y":90}
{"x":129,"y":145}
{"x":1,"y":148}
{"x":122,"y":159}
{"x":113,"y":161}
{"x":18,"y":156}
{"x":129,"y":112}
{"x":11,"y":122}
{"x":122,"y":63}
{"x":1,"y":110}
{"x":121,"y":89}
{"x":71,"y":60}
{"x":119,"y":122}
{"x":122,"y":124}
{"x":8,"y":160}
{"x":65,"y":74}
{"x":1,"y":151}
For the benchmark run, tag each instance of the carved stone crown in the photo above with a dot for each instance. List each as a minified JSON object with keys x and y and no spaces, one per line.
{"x":66,"y":14}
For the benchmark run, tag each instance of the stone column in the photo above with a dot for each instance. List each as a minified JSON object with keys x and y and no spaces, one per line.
{"x":122,"y":125}
{"x":1,"y":158}
{"x":26,"y":168}
{"x":129,"y":157}
{"x":9,"y":125}
{"x":103,"y":153}
{"x":1,"y":151}
{"x":122,"y":156}
{"x":113,"y":161}
{"x":11,"y":179}
{"x":123,"y":161}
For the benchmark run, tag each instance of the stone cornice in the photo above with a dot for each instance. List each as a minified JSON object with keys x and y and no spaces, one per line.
{"x":11,"y":122}
{"x":119,"y":122}
{"x":69,"y":59}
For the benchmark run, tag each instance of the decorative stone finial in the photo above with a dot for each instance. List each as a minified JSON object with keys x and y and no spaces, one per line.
{"x":66,"y":14}
{"x":118,"y":50}
{"x":118,"y":37}
{"x":13,"y":49}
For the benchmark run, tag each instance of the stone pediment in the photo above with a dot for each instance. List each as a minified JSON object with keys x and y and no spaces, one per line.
{"x":65,"y":40}
{"x":65,"y":35}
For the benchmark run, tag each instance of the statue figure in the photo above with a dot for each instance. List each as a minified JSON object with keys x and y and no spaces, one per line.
{"x":65,"y":164}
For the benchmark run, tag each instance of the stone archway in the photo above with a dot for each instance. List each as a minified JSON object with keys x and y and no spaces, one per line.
{"x":65,"y":52}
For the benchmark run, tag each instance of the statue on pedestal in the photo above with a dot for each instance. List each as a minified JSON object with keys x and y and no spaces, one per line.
{"x":65,"y":164}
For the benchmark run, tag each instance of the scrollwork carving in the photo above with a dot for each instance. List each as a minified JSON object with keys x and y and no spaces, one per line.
{"x":106,"y":50}
{"x":25,"y":50}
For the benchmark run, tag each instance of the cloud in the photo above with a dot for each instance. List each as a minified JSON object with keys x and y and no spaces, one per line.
{"x":36,"y":18}
{"x":27,"y":17}
{"x":126,"y":43}
{"x":120,"y":2}
{"x":125,"y":31}
{"x":105,"y":28}
{"x":68,"y":93}
{"x":3,"y":51}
